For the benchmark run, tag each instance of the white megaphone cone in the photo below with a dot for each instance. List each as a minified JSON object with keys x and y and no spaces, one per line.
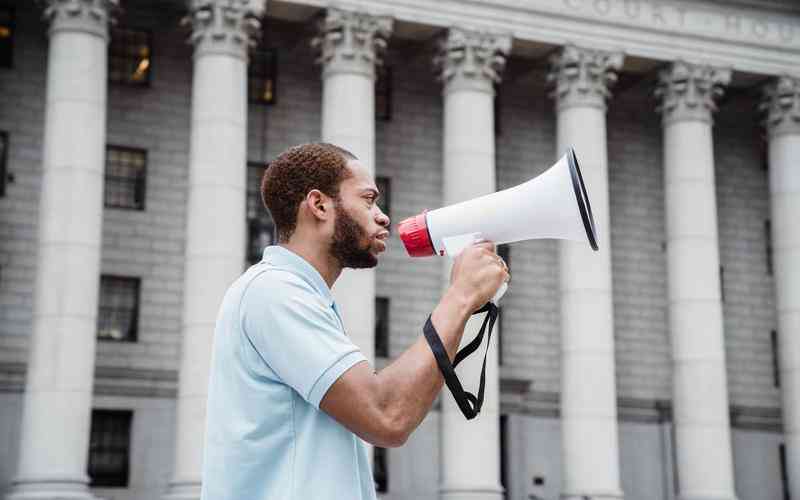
{"x":553,"y":205}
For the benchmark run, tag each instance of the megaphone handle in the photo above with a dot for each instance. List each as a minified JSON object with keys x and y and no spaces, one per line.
{"x":500,"y":292}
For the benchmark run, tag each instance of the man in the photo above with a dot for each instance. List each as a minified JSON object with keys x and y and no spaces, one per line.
{"x":291,"y":399}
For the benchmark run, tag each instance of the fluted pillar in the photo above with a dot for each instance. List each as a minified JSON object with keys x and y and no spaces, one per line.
{"x":590,"y":446}
{"x":58,"y":395}
{"x":215,"y":212}
{"x":699,"y":383}
{"x":783,"y":125}
{"x":351,"y":44}
{"x":470,"y":63}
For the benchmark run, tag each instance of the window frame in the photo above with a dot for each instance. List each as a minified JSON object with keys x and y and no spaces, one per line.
{"x":12,"y":15}
{"x":271,"y":70}
{"x":133,"y":333}
{"x":4,"y":163}
{"x":120,"y":479}
{"x":384,"y":87}
{"x":382,"y":329}
{"x":140,"y":185}
{"x":147,"y":82}
{"x":255,"y":223}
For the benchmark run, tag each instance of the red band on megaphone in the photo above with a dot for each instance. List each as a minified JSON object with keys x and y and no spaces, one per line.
{"x":415,"y":236}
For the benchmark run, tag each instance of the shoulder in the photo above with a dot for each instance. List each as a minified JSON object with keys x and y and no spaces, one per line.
{"x":277,"y":288}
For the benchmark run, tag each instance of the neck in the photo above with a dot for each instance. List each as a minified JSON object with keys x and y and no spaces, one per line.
{"x":318,"y":256}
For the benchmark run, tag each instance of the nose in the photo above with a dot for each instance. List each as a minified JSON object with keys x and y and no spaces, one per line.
{"x":382,"y":219}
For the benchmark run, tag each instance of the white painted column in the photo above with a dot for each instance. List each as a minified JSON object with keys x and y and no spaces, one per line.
{"x":351,"y":44}
{"x":215,"y":212}
{"x":783,"y":126}
{"x":590,"y":442}
{"x":470,"y":63}
{"x":699,"y":383}
{"x":58,"y":397}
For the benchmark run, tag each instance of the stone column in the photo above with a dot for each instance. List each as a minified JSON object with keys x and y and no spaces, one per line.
{"x":699,"y":383}
{"x":351,"y":44}
{"x":590,"y":446}
{"x":470,"y":63}
{"x":222,"y":32}
{"x":58,"y":396}
{"x":783,"y":125}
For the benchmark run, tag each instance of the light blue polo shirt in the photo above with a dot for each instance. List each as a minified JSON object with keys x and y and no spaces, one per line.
{"x":279,"y":344}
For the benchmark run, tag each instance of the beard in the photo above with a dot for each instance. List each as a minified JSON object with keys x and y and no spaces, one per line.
{"x":351,"y":243}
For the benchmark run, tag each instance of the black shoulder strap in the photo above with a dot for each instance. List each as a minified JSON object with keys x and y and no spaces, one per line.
{"x":469,"y":404}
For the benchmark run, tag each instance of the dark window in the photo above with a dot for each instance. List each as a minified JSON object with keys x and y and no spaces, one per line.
{"x":787,"y":495}
{"x":260,"y":229}
{"x":118,"y":317}
{"x":382,"y":327}
{"x":498,"y":129}
{"x":768,"y":242}
{"x":3,"y":162}
{"x":380,"y":470}
{"x":109,"y":448}
{"x":503,"y":454}
{"x":776,"y":370}
{"x":262,"y":75}
{"x":126,"y":177}
{"x":384,"y":185}
{"x":130,"y":56}
{"x":504,"y":251}
{"x":383,"y":93}
{"x":7,"y":26}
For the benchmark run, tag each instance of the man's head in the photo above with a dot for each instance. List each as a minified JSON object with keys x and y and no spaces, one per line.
{"x":321,"y":193}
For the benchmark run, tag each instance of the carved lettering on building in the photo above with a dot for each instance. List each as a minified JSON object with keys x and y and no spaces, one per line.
{"x":700,"y":20}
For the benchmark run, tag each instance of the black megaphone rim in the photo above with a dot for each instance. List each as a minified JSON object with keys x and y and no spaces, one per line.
{"x":583,"y":199}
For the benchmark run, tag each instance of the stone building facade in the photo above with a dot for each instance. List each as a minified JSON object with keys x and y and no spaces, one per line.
{"x":666,"y":365}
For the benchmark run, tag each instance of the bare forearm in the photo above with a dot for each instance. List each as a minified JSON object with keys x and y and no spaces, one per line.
{"x":411,"y":383}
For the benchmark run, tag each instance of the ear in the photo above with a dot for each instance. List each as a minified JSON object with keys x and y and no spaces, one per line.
{"x":319,"y":205}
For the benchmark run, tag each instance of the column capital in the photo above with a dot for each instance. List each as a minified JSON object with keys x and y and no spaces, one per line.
{"x":472,"y":59}
{"x":224,"y":26}
{"x":90,"y":16}
{"x":351,"y":42}
{"x":583,"y":77}
{"x":688,"y":91}
{"x":781,"y":106}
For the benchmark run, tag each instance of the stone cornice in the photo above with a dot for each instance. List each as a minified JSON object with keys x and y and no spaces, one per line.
{"x":688,"y":91}
{"x":781,"y":106}
{"x":765,"y":41}
{"x":224,"y":26}
{"x":89,"y":16}
{"x":351,"y":42}
{"x":471,"y":59}
{"x":583,"y":77}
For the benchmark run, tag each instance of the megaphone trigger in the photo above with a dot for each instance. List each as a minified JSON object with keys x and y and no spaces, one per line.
{"x":454,"y":245}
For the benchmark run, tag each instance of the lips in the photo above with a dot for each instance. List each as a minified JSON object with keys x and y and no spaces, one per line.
{"x":380,"y":239}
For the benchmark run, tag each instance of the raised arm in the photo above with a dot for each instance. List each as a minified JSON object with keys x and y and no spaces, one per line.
{"x":384,"y":408}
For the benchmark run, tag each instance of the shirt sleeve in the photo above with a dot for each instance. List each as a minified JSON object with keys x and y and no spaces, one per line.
{"x":296,"y":333}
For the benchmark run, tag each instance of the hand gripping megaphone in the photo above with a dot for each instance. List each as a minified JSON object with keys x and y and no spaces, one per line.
{"x":553,"y":205}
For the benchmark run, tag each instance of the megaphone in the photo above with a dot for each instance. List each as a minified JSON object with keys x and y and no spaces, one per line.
{"x":552,"y":205}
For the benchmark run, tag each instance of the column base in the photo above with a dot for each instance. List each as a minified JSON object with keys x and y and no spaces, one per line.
{"x":471,"y":494}
{"x":593,"y":495}
{"x":50,"y":489}
{"x":189,"y":490}
{"x":706,"y":497}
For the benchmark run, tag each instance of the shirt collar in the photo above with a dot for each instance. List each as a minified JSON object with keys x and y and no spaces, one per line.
{"x":283,"y":257}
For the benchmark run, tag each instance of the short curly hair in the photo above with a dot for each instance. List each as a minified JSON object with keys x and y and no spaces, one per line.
{"x":294,"y":173}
